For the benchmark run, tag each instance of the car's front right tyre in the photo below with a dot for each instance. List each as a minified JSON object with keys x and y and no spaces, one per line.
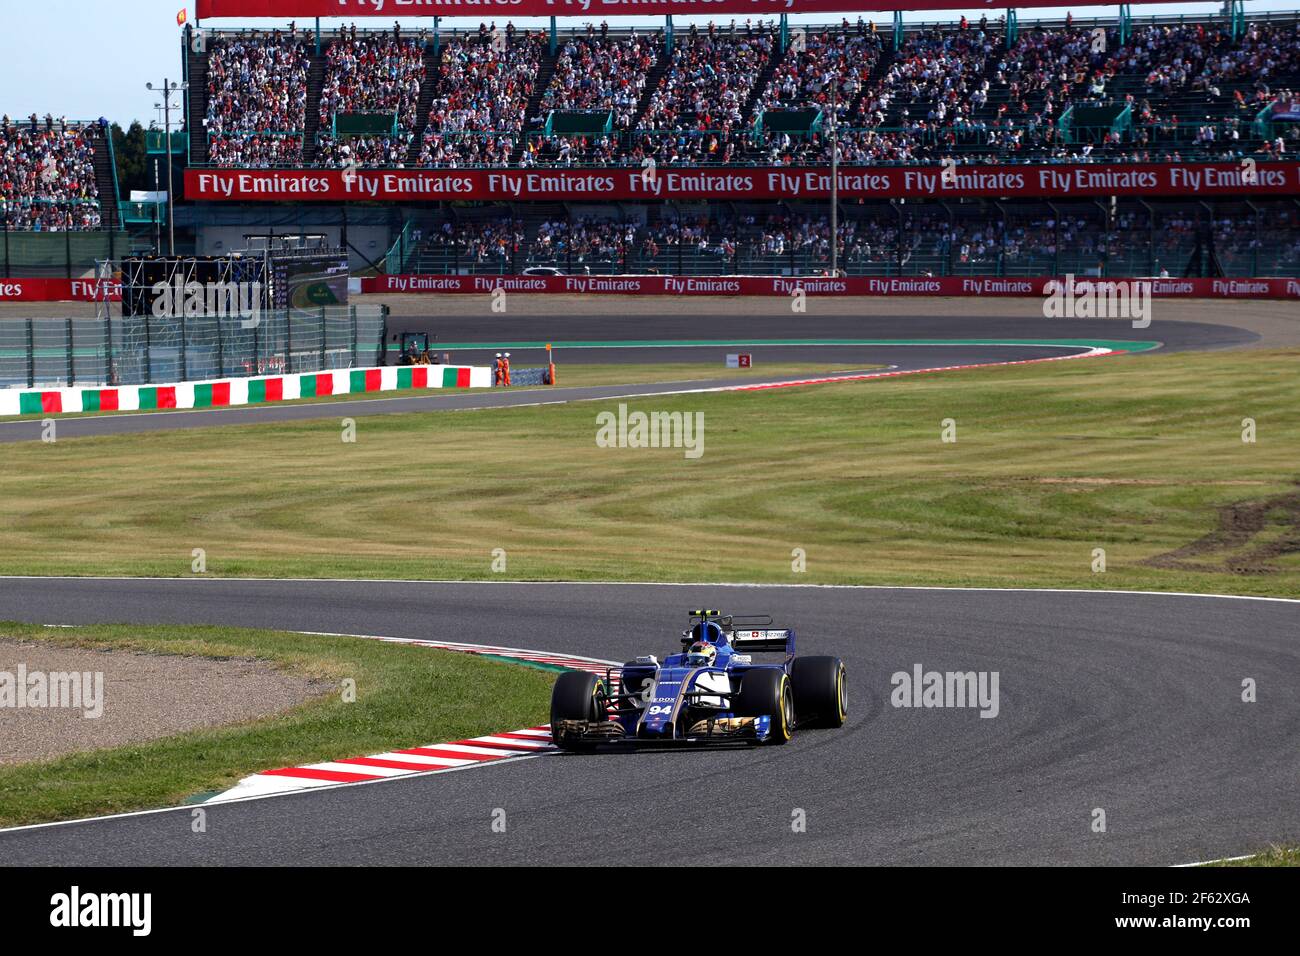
{"x":577,"y":695}
{"x":766,"y":692}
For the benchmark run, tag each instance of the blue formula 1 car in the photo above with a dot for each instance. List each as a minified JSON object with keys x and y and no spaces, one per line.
{"x":712,"y":692}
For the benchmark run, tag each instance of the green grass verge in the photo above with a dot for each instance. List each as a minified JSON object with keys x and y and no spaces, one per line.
{"x":406,"y":696}
{"x":1273,"y":856}
{"x":1138,"y":455}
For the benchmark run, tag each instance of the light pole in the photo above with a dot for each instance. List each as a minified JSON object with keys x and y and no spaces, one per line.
{"x":835,"y":178}
{"x":167,"y":89}
{"x":157,"y":227}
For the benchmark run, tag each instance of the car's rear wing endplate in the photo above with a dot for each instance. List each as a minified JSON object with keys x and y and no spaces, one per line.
{"x":768,"y":640}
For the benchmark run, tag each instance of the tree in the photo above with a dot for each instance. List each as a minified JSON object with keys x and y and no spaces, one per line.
{"x":133,"y":168}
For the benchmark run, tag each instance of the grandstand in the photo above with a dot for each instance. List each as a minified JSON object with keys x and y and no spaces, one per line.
{"x":765,"y":95}
{"x":53,"y":173}
{"x":751,"y":98}
{"x":59,"y":209}
{"x":751,"y":94}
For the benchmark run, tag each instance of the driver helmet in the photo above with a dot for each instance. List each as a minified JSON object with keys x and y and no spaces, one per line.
{"x":701,"y":654}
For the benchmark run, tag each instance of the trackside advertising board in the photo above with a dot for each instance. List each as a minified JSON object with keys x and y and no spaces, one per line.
{"x":283,"y":9}
{"x":59,"y":290}
{"x":777,"y":285}
{"x":85,"y":290}
{"x":1051,"y":181}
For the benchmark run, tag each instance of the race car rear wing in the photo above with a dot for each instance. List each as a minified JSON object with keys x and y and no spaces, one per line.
{"x":768,"y":640}
{"x":760,"y":637}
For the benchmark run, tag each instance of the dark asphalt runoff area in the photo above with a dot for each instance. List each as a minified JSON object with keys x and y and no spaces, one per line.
{"x":693,"y":322}
{"x":1127,"y":703}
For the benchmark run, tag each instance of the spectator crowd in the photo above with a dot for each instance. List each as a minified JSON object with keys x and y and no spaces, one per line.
{"x":373,"y":74}
{"x":960,"y":91}
{"x":480,"y":242}
{"x":481,"y":98}
{"x":256,"y":150}
{"x":47,"y":176}
{"x":695,"y":115}
{"x":923,"y":239}
{"x":257,"y":91}
{"x":602,"y":75}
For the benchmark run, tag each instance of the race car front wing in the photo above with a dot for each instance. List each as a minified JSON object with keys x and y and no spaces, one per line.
{"x":708,"y":730}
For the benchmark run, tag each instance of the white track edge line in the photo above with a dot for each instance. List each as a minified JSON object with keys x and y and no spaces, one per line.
{"x":644,"y":584}
{"x":1222,"y":859}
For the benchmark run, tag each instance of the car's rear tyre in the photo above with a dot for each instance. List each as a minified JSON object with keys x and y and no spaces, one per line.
{"x":767,"y":693}
{"x":820,"y":691}
{"x":577,"y":695}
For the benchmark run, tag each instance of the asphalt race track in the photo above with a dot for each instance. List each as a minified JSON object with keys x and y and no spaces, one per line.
{"x":456,"y":330}
{"x":693,"y":321}
{"x":1125,"y":702}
